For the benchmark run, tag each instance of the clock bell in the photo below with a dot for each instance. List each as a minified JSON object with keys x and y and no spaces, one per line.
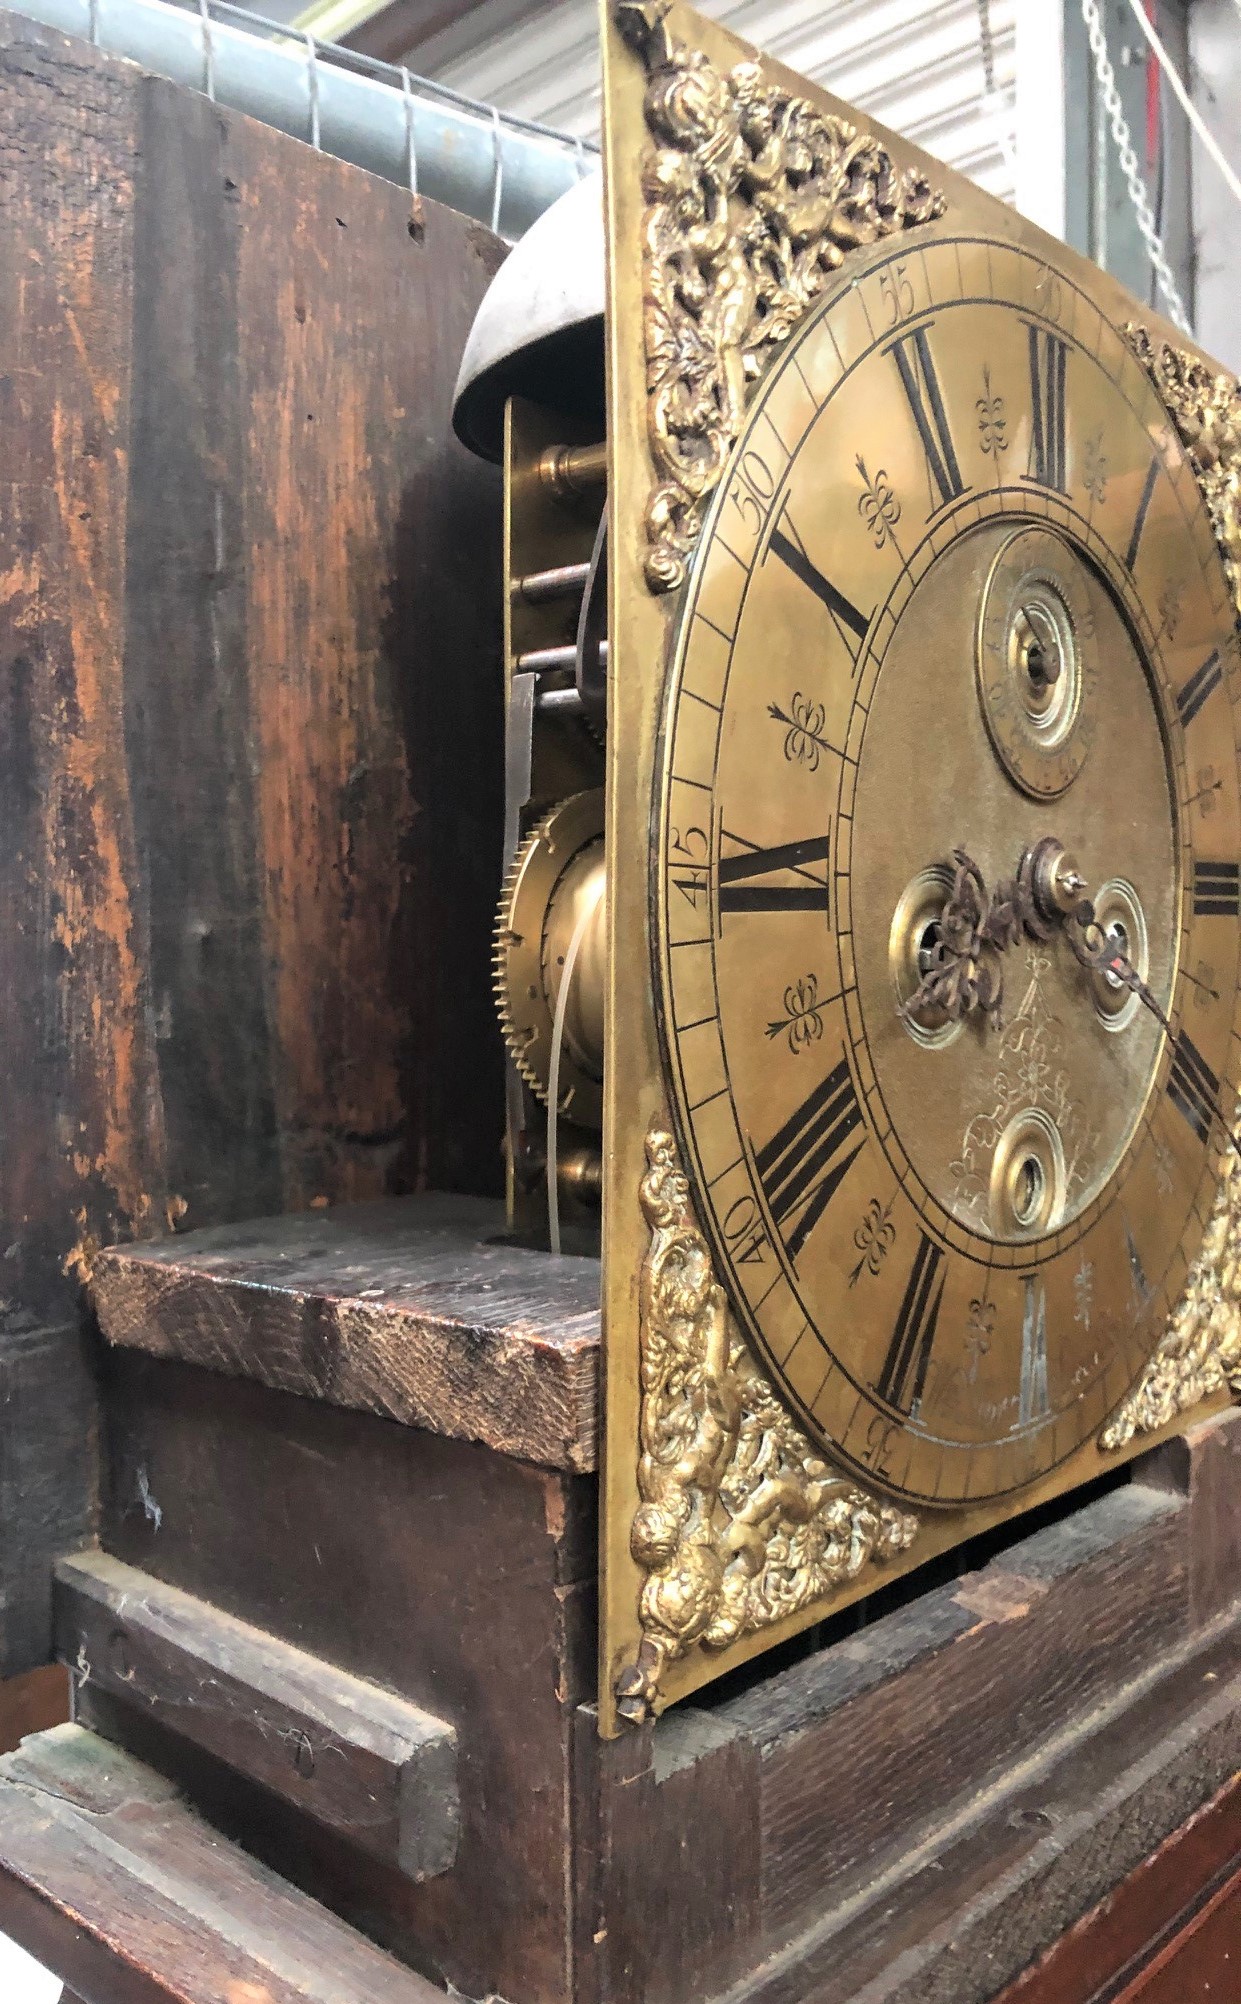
{"x":867,"y":954}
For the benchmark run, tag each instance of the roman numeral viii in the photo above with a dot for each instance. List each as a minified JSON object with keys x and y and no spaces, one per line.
{"x":802,"y":1166}
{"x":1048,"y":366}
{"x":739,"y":893}
{"x":912,"y":355}
{"x":1192,"y":1086}
{"x":903,"y":1378}
{"x":1217,"y":890}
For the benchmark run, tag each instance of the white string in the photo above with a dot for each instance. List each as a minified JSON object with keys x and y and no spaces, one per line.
{"x":1183,"y":98}
{"x":204,"y":12}
{"x":499,"y":171}
{"x":553,"y":1070}
{"x":409,"y":132}
{"x":312,"y":67}
{"x":1129,"y":167}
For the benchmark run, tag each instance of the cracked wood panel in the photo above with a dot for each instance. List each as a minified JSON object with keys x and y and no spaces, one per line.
{"x":110,"y":1879}
{"x":249,"y":747}
{"x":414,"y":1308}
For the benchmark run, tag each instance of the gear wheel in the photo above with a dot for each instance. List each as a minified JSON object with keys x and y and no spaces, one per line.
{"x":532,"y":927}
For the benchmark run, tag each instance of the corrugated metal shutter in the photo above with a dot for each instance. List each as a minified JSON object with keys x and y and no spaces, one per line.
{"x":916,"y":65}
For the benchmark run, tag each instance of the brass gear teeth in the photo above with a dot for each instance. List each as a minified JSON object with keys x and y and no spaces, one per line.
{"x":514,"y":1042}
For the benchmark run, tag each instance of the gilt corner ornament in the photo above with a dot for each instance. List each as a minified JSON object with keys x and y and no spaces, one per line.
{"x":741,"y":1523}
{"x":753,"y":198}
{"x":1205,"y":407}
{"x":1200,"y":1354}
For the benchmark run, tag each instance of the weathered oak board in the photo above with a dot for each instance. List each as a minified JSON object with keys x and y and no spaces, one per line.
{"x":250,"y":734}
{"x":164,"y":1911}
{"x":415,"y":1309}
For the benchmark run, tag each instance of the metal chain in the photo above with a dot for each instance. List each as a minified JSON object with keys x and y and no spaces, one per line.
{"x":1129,"y":167}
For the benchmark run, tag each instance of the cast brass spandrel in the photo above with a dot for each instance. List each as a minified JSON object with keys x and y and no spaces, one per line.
{"x":741,"y":1522}
{"x":754,"y":198}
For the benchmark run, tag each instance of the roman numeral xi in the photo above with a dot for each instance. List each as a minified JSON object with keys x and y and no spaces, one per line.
{"x":912,"y":355}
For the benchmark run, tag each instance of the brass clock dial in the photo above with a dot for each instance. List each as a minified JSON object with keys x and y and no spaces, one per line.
{"x":957,"y":588}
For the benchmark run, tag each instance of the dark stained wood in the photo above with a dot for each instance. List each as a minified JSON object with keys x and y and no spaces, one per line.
{"x":250,"y":733}
{"x":1203,"y":1963}
{"x":163,"y":1911}
{"x":458,"y":1578}
{"x":415,"y":1309}
{"x":1206,"y":1463}
{"x":378,"y":1771}
{"x":952,"y":1922}
{"x":32,"y":1702}
{"x":1145,"y":1915}
{"x":399,"y":31}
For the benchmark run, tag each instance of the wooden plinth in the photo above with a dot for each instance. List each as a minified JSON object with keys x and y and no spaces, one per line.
{"x":903,"y":1812}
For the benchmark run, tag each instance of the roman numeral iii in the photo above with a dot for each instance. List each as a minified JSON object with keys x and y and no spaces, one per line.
{"x":1217,"y":890}
{"x":903,"y":1378}
{"x":912,"y":355}
{"x":803,"y":1166}
{"x":1049,"y":357}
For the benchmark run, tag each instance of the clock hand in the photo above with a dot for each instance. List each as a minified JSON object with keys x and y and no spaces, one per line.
{"x":963,"y":969}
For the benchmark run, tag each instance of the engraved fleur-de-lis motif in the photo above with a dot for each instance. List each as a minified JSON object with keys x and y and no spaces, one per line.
{"x":1203,"y":980}
{"x":1095,"y":467}
{"x":992,"y":420}
{"x":1207,"y":784}
{"x":877,"y":504}
{"x":802,"y":1020}
{"x":979,"y":1329}
{"x":1083,"y":1293}
{"x":804,"y":743}
{"x":1164,"y":1179}
{"x":873,"y":1238}
{"x":1170,"y":607}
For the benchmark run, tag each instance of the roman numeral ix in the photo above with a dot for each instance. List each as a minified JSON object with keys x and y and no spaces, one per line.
{"x":1049,"y":357}
{"x":803,"y":1165}
{"x":1217,"y":890}
{"x":850,"y":623}
{"x":912,"y":355}
{"x":738,"y":893}
{"x":903,"y":1378}
{"x":1192,"y":1086}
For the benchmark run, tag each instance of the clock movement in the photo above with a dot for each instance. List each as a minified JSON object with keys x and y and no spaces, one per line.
{"x":868,"y":952}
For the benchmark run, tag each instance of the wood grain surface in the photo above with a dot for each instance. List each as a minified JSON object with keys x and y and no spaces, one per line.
{"x":163,"y":1910}
{"x":250,"y":731}
{"x":415,"y":1309}
{"x":378,"y":1771}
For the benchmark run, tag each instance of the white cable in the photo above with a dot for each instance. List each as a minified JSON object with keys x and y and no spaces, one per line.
{"x":1129,"y":167}
{"x":1183,"y":98}
{"x":553,"y":1069}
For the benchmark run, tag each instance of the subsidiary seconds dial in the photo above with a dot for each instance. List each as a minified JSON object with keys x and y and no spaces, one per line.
{"x":958,"y":588}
